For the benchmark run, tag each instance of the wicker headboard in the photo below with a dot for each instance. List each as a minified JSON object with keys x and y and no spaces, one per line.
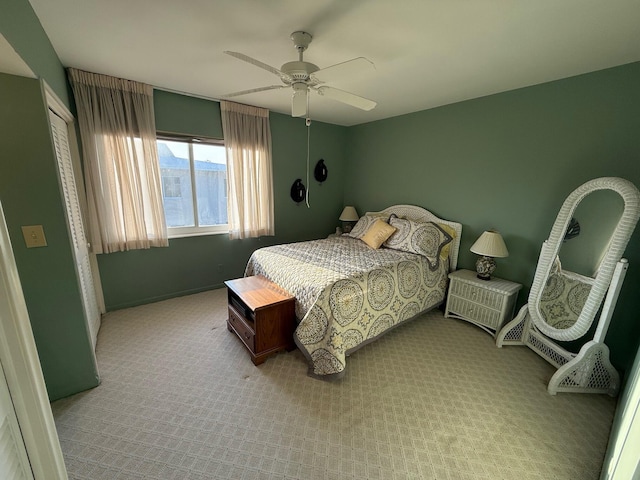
{"x":419,"y":214}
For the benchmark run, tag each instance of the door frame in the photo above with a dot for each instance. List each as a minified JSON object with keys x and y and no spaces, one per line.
{"x":55,"y":104}
{"x":21,"y":365}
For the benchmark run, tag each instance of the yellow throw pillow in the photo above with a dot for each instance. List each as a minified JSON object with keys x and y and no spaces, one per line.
{"x":377,"y":233}
{"x":444,"y":253}
{"x":365,"y":221}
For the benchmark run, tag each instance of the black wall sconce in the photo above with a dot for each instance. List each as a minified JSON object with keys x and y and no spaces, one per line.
{"x":320,"y":172}
{"x":298,"y":191}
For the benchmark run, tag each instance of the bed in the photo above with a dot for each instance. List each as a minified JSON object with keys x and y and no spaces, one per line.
{"x":348,"y":293}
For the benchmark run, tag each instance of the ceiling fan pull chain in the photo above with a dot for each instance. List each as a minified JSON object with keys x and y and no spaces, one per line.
{"x":308,"y":123}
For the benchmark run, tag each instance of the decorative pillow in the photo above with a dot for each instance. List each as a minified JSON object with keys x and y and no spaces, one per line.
{"x":563,"y":297}
{"x":378,"y":233}
{"x":444,"y":253}
{"x":365,"y":221}
{"x":427,"y":239}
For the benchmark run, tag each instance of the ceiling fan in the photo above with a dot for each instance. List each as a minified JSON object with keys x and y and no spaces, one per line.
{"x":303,"y":77}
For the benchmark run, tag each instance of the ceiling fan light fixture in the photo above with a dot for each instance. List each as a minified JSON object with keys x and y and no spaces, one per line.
{"x":299,"y":100}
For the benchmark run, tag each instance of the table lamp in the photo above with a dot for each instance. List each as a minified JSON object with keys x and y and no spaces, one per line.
{"x":490,"y":245}
{"x":348,"y":217}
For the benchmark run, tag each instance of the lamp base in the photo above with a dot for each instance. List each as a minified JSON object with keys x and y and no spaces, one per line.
{"x":347,"y":226}
{"x":485,"y":266}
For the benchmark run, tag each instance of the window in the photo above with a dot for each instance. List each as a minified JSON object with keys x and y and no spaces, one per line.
{"x":194,"y":185}
{"x":171,"y":187}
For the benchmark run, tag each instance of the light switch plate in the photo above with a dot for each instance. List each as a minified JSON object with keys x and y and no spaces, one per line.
{"x":34,"y":236}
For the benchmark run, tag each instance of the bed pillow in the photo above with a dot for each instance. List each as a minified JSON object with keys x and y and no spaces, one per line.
{"x":444,"y":253}
{"x":365,"y":221}
{"x":424,"y":238}
{"x":377,"y":233}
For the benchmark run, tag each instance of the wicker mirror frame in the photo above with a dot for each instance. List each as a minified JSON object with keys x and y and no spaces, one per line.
{"x":603,"y":276}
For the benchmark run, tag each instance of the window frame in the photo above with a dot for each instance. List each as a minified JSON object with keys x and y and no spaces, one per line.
{"x":197,"y":230}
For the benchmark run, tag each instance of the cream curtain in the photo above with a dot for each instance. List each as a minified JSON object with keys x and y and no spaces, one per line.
{"x":247,"y":139}
{"x":124,"y":190}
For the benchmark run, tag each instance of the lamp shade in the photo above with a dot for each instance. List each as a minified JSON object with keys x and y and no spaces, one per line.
{"x":490,"y":244}
{"x":349,"y":214}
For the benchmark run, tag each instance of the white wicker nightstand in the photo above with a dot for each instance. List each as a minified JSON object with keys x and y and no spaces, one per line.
{"x":487,"y":304}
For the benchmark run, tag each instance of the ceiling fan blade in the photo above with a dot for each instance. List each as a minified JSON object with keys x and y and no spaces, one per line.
{"x":346,"y":97}
{"x":299,"y":102}
{"x":254,"y":90}
{"x":258,"y":63}
{"x":349,"y":69}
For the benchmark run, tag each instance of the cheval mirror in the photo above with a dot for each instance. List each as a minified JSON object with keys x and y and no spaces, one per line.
{"x":564,"y":306}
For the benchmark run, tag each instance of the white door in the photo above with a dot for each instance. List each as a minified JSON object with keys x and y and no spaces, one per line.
{"x":14,"y":463}
{"x":59,"y":130}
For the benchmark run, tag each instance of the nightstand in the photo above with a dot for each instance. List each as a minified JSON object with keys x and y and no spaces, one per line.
{"x":488,"y":304}
{"x":262,"y":315}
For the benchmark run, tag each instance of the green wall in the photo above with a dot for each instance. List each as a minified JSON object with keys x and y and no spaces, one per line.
{"x":30,"y":195}
{"x":508,"y":161}
{"x":193,"y":264}
{"x":21,"y":27}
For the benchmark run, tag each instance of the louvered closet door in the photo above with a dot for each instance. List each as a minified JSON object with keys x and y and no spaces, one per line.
{"x":76,"y":226}
{"x":14,"y":463}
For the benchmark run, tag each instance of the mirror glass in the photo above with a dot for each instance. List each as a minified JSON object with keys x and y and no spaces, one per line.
{"x":569,"y":281}
{"x":598,"y":214}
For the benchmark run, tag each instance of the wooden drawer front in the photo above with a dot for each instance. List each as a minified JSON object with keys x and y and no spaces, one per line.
{"x":474,"y":312}
{"x":480,"y":295}
{"x":242,"y":329}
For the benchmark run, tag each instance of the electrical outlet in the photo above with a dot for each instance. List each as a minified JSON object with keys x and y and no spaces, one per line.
{"x":34,"y":236}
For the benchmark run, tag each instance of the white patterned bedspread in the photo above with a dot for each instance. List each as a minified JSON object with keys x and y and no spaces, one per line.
{"x":348,"y":294}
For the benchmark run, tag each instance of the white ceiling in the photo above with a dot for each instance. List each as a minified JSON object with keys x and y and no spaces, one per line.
{"x":427,"y":53}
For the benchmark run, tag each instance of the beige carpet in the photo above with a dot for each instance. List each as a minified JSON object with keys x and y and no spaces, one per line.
{"x":434,"y":399}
